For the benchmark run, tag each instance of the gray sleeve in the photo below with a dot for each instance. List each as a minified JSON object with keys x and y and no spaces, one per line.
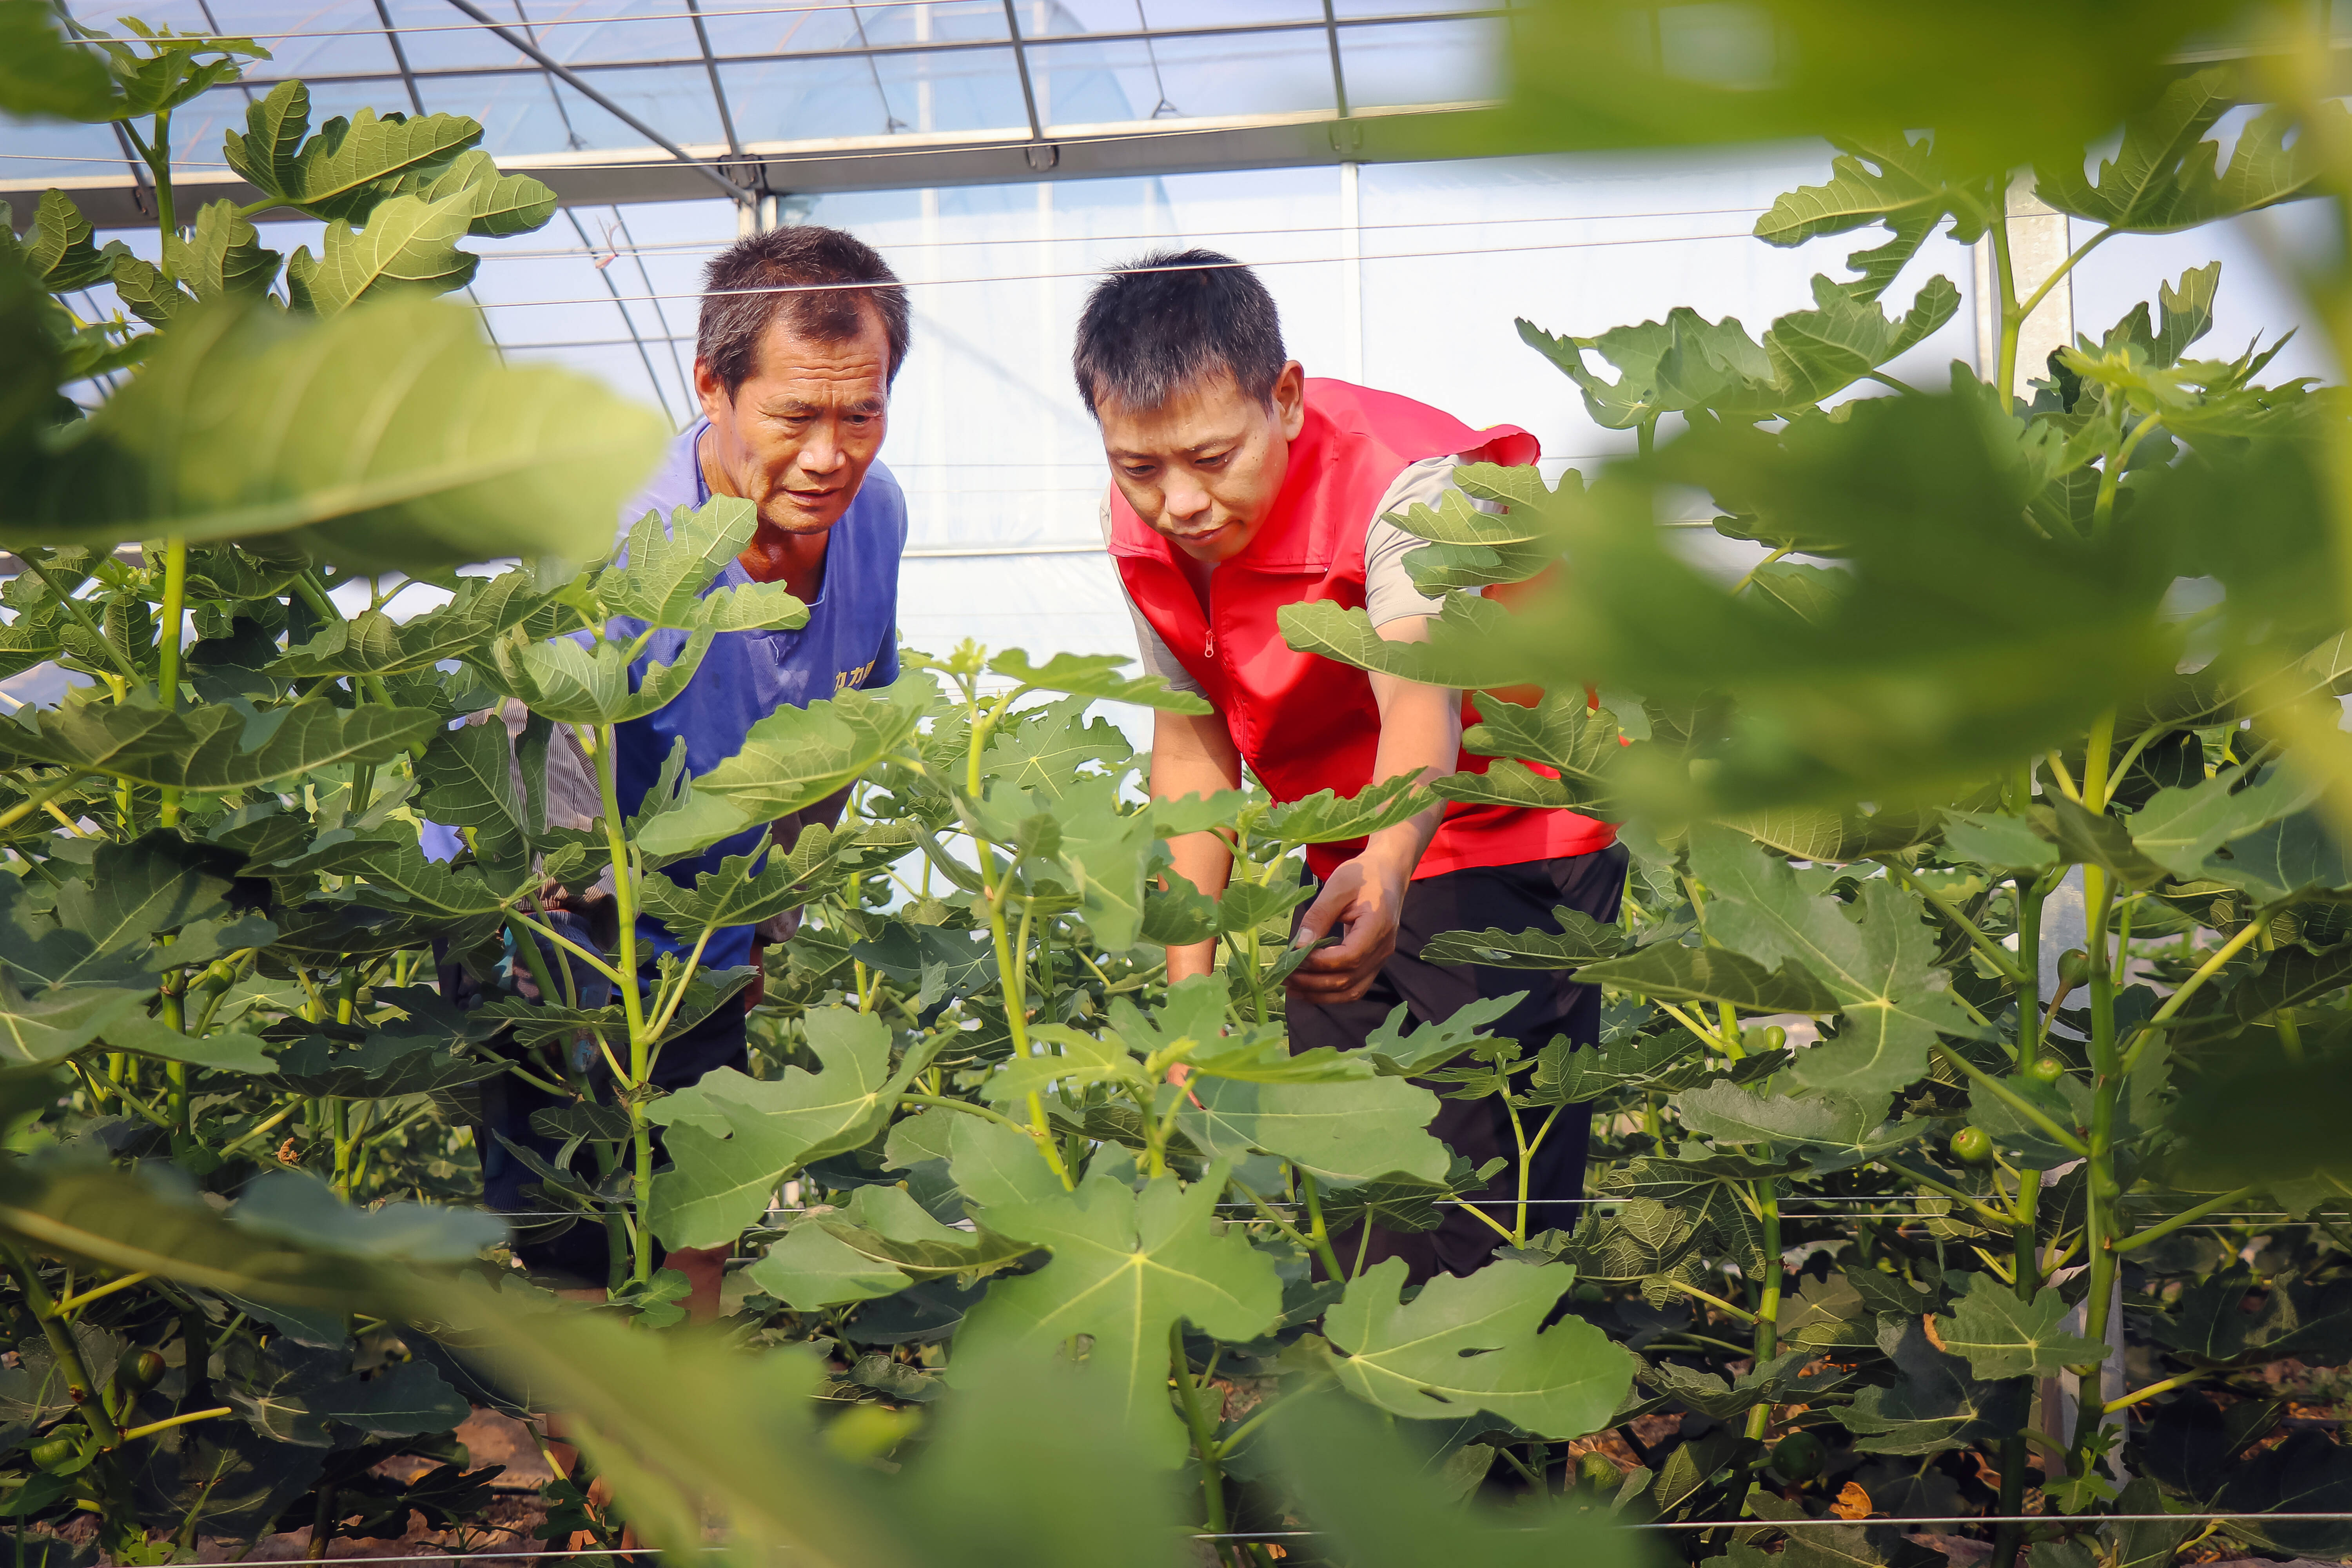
{"x":1151,"y":651}
{"x":1388,"y":593}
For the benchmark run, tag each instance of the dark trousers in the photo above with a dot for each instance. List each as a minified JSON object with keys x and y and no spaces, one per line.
{"x":547,"y":1239}
{"x":1512,"y":897}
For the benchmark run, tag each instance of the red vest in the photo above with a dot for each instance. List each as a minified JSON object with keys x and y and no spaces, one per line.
{"x":1304,"y":723}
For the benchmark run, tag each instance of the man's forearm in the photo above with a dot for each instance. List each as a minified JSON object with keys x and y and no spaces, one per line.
{"x":1193,"y":755}
{"x":1420,"y":736}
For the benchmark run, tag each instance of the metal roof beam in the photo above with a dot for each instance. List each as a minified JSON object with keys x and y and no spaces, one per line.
{"x":939,"y":46}
{"x":1137,"y":148}
{"x":1339,"y":76}
{"x":711,"y":64}
{"x":400,"y":57}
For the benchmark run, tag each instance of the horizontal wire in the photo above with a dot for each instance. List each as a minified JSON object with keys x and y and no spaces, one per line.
{"x":1880,"y":1214}
{"x":1108,"y":271}
{"x":2080,"y":1520}
{"x":2084,"y":1519}
{"x":664,"y":245}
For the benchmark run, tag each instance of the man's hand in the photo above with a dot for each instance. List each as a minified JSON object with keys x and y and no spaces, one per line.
{"x":1421,"y":734}
{"x":1366,"y":895}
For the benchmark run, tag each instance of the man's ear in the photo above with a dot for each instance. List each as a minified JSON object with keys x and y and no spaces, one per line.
{"x":711,"y":391}
{"x":1290,"y":400}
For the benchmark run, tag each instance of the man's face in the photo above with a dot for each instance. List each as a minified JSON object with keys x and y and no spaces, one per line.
{"x":1205,"y":467}
{"x":798,"y":436}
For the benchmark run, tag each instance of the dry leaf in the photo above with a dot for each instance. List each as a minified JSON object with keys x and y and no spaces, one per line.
{"x":1853,"y":1502}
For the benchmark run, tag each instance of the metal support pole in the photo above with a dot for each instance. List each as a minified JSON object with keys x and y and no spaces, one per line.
{"x":571,"y":79}
{"x":1042,"y":155}
{"x":1351,"y":270}
{"x":1339,"y":76}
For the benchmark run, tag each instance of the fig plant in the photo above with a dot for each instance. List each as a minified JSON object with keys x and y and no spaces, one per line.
{"x":1901,"y":1188}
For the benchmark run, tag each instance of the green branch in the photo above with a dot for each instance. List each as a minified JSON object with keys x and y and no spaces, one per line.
{"x":2163,"y":1228}
{"x":2014,"y":1100}
{"x":2000,"y":956}
{"x":967,"y":1107}
{"x":1742,"y":1313}
{"x":1977,"y":1206}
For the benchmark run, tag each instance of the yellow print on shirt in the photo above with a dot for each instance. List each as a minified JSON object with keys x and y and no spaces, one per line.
{"x":849,"y":677}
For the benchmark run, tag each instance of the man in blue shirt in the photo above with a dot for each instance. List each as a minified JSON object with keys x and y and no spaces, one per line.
{"x":802,"y":329}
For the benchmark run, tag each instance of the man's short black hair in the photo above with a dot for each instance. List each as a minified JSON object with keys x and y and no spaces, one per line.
{"x":1156,"y":326}
{"x":796,"y":261}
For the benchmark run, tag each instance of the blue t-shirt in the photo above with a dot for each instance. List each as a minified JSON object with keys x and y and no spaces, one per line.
{"x":851,"y":640}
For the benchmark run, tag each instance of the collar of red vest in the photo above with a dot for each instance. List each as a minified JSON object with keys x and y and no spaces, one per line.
{"x":1354,"y":439}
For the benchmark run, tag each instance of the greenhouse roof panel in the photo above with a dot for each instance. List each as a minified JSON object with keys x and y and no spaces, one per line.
{"x":652,"y":99}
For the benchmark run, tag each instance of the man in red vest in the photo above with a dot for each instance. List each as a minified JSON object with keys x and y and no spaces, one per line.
{"x":1239,"y":486}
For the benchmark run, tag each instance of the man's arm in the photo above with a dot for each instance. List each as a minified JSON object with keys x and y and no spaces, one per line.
{"x":1421,"y":734}
{"x":1193,"y":753}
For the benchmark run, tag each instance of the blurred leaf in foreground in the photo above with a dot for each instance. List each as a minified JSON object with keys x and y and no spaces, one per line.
{"x":390,"y":436}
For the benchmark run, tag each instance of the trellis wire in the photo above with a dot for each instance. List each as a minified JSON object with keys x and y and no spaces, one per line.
{"x":2277,"y":1215}
{"x":1116,"y":271}
{"x":2080,"y":1520}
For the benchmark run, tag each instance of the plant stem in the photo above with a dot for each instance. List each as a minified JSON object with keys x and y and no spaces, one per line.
{"x":342,"y":1123}
{"x":967,"y":1107}
{"x":2063,"y":777}
{"x":31,"y":804}
{"x":170,"y":1421}
{"x":167,"y":680}
{"x":1528,"y":1147}
{"x":1740,"y":587}
{"x":1742,"y":1313}
{"x":994,"y":887}
{"x":1317,"y":1236}
{"x":1996,"y":954}
{"x":2009,"y":1537}
{"x":260,"y":1129}
{"x":2189,"y":987}
{"x":534,"y":961}
{"x":81,"y":1299}
{"x":2011,"y":317}
{"x":2080,"y":251}
{"x":1204,"y":1432}
{"x":558,"y":939}
{"x":677,"y":998}
{"x":2014,"y":1100}
{"x":158,"y":153}
{"x":81,"y":614}
{"x":2164,"y":1227}
{"x":2026,"y":1238}
{"x":2153,"y":1389}
{"x":1984,"y":1213}
{"x":323,"y":1523}
{"x":603,"y":741}
{"x":1768,"y":1308}
{"x":1266,"y":1212}
{"x":2030,"y":895}
{"x":174,"y":1016}
{"x":2106,"y":1085}
{"x":2103,"y":508}
{"x":62,"y":1346}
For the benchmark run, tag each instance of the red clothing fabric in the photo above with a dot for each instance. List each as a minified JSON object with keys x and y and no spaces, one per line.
{"x":1304,"y":723}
